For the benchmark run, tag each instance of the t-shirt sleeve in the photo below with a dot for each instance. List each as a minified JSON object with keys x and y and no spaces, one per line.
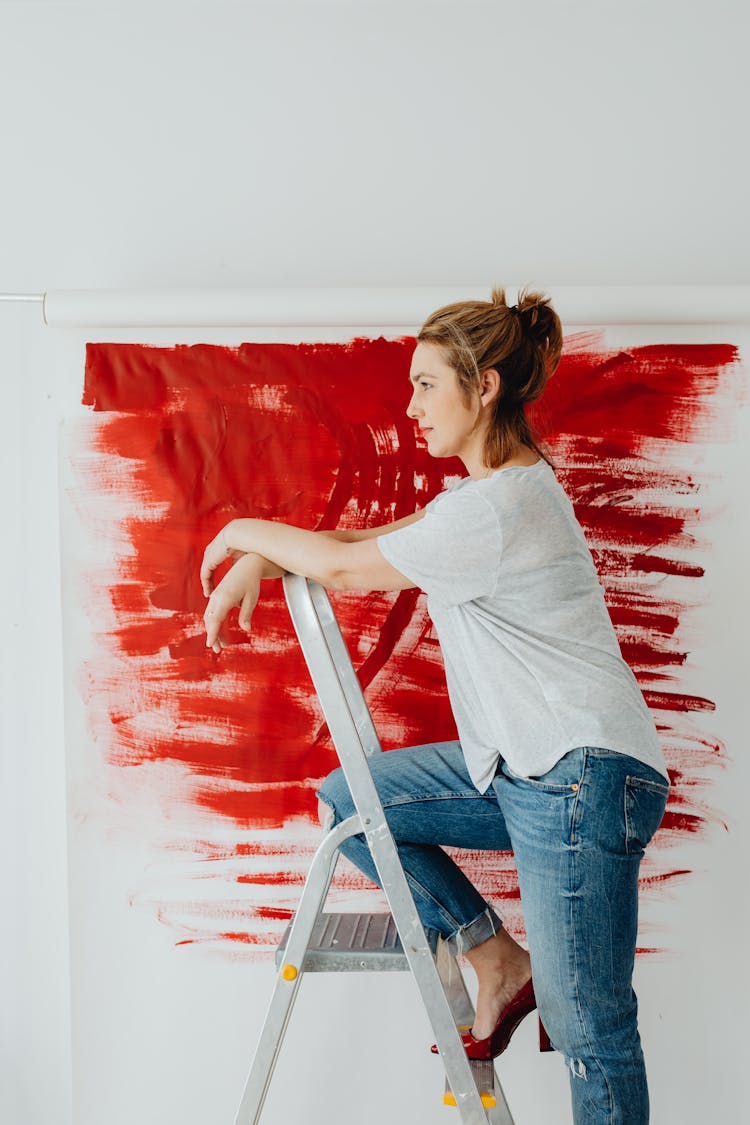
{"x":453,"y":552}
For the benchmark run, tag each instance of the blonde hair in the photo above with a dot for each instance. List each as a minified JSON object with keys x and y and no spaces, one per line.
{"x":522,"y":342}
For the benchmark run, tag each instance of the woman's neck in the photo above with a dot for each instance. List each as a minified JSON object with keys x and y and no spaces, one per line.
{"x":524,"y":455}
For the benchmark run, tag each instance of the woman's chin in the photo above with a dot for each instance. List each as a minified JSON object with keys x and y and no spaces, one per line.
{"x":436,"y":448}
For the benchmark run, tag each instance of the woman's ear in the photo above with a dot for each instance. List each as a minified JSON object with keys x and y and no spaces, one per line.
{"x":491,"y":385}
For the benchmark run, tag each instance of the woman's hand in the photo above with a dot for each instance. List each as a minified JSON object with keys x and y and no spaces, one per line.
{"x":214,"y":555}
{"x":240,"y":586}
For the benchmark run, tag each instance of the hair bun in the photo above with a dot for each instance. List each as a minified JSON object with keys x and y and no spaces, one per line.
{"x":537,"y":320}
{"x":497,"y":300}
{"x":537,"y":317}
{"x":533,"y":308}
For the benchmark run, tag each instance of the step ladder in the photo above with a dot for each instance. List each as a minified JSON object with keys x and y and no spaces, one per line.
{"x":318,"y":941}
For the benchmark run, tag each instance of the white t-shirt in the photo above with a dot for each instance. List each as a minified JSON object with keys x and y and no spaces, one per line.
{"x":532,"y":661}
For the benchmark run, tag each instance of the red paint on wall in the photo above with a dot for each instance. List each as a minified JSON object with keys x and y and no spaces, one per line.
{"x":180,"y":440}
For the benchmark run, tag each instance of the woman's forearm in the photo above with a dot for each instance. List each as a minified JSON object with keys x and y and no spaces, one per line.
{"x":284,"y":548}
{"x":358,"y":535}
{"x":346,"y":559}
{"x":266,"y":568}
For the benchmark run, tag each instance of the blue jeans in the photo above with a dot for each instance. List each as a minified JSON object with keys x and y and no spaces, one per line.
{"x":577,"y":833}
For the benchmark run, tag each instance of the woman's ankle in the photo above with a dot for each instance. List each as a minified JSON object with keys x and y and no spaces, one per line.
{"x":502,"y":971}
{"x":500,"y":955}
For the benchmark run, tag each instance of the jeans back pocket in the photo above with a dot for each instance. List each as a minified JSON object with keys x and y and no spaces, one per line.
{"x":645,"y":802}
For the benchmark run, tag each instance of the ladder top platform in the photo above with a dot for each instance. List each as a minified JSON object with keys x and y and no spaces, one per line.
{"x":355,"y":943}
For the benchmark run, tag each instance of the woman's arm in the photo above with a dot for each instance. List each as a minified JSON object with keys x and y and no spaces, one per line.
{"x":372,"y":532}
{"x":264,"y":549}
{"x":339,"y":564}
{"x":337,"y":559}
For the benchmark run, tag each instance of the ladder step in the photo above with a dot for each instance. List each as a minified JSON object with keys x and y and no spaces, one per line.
{"x":354,"y":943}
{"x":484,"y":1076}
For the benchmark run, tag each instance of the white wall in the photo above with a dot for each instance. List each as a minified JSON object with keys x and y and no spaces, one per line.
{"x":373,"y":143}
{"x":254,"y":144}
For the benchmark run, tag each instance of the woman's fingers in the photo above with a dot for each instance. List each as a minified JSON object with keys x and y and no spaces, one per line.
{"x":206,"y":575}
{"x":208,"y":566}
{"x":215,"y":553}
{"x":246,"y":611}
{"x":213,"y":619}
{"x":217,"y":611}
{"x":240,"y":586}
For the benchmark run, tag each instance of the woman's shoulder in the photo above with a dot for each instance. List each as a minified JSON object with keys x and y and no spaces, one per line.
{"x":453,"y":487}
{"x":509,"y":485}
{"x":503,"y":490}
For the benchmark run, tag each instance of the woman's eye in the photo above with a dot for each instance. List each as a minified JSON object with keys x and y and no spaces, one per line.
{"x":426,"y":385}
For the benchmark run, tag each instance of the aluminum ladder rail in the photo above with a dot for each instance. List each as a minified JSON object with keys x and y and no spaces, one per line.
{"x":441,"y":984}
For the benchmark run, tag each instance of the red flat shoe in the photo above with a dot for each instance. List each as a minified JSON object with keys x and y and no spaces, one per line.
{"x":522,"y":1003}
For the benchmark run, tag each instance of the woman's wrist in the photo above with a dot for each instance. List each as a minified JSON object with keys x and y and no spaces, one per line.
{"x":237,"y":535}
{"x":224,"y":537}
{"x":264,"y":568}
{"x":285,"y":548}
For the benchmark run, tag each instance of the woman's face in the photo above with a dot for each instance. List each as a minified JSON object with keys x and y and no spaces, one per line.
{"x":438,"y":406}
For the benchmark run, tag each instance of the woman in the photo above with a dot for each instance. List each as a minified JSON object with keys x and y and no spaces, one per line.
{"x":558,"y":758}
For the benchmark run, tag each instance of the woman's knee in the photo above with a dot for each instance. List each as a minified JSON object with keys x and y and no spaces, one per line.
{"x":334,"y":799}
{"x":326,"y":814}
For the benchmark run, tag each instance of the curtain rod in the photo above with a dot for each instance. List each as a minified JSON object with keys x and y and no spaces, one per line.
{"x":396,"y":307}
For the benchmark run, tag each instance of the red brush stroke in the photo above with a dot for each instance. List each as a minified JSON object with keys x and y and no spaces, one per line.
{"x":316,"y":435}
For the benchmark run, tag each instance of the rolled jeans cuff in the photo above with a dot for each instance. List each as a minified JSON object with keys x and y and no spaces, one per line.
{"x":474,"y":933}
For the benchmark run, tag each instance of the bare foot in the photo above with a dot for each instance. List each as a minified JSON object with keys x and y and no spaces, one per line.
{"x":502,"y":967}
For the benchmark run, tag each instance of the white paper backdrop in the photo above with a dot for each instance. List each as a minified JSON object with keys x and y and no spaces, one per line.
{"x":165,"y":1033}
